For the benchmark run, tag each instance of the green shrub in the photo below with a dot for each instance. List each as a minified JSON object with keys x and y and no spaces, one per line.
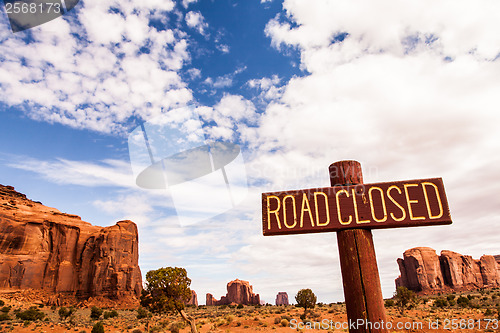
{"x":2,"y":303}
{"x":110,"y":314}
{"x":175,"y":327}
{"x":4,"y":316}
{"x":463,"y":301}
{"x":404,"y":298}
{"x":5,"y":309}
{"x":388,"y":303}
{"x":95,"y":312}
{"x":450,"y":297}
{"x":65,"y":312}
{"x":142,"y":313}
{"x":440,"y":302}
{"x":31,"y":314}
{"x":98,"y":327}
{"x":240,"y":306}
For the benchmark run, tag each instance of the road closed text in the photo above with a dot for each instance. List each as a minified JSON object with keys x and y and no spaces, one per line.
{"x":374,"y":206}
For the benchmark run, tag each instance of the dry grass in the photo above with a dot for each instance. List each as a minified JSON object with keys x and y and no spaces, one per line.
{"x":483,"y":307}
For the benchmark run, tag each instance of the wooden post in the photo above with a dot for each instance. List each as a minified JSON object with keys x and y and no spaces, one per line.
{"x":362,"y":291}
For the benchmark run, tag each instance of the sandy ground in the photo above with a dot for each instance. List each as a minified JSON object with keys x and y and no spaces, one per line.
{"x":324,"y":318}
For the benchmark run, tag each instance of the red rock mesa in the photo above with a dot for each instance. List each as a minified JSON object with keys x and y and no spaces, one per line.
{"x":42,"y":248}
{"x":238,"y":292}
{"x":424,"y":271}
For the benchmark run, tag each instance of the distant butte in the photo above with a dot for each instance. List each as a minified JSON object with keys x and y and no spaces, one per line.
{"x":238,"y":292}
{"x":422,"y":270}
{"x":44,"y":249}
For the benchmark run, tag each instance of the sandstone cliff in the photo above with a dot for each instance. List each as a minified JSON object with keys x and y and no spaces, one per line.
{"x":423,"y":270}
{"x":194,"y":299}
{"x":238,"y":292}
{"x":282,"y":298}
{"x":42,"y":248}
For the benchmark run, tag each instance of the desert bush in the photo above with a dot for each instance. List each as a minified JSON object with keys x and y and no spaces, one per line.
{"x":137,"y":331}
{"x":388,"y":303}
{"x":287,"y":317}
{"x":463,"y":301}
{"x":240,"y":306}
{"x":2,"y":303}
{"x":110,"y":314}
{"x":284,"y":323}
{"x":4,"y":316}
{"x":31,"y":314}
{"x":306,"y":299}
{"x":65,"y":312}
{"x":277,"y":320}
{"x":440,"y":302}
{"x":142,"y":313}
{"x":95,"y":312}
{"x":450,"y":297}
{"x":488,"y":312}
{"x":98,"y":327}
{"x":175,"y":327}
{"x":5,"y":309}
{"x":404,"y":298}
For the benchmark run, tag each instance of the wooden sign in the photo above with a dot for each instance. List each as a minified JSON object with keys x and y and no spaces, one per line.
{"x":367,"y":206}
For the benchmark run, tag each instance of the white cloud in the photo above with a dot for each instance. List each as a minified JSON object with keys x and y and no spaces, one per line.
{"x":194,"y":73}
{"x":232,"y":116}
{"x":270,"y":89}
{"x":224,"y":48}
{"x":186,"y":3}
{"x":411,"y":92}
{"x":196,"y":21}
{"x":61,"y":171}
{"x":86,"y":72}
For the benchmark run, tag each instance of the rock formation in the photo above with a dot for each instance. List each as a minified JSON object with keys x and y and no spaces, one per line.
{"x":210,"y":300}
{"x":42,"y":248}
{"x":423,"y":270}
{"x":194,"y":299}
{"x":238,"y":292}
{"x":282,"y":298}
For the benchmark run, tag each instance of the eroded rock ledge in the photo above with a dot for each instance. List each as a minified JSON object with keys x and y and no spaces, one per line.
{"x":42,"y":248}
{"x":422,"y":270}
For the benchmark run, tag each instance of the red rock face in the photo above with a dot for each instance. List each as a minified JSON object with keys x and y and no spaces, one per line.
{"x":194,"y":299}
{"x":422,"y":270}
{"x":282,"y":298}
{"x":210,"y":300}
{"x":42,"y":248}
{"x":238,"y":292}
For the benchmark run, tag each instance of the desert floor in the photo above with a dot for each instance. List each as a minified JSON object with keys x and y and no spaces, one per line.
{"x":428,"y":314}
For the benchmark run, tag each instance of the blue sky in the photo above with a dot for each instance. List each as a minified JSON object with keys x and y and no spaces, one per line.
{"x":409,"y":90}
